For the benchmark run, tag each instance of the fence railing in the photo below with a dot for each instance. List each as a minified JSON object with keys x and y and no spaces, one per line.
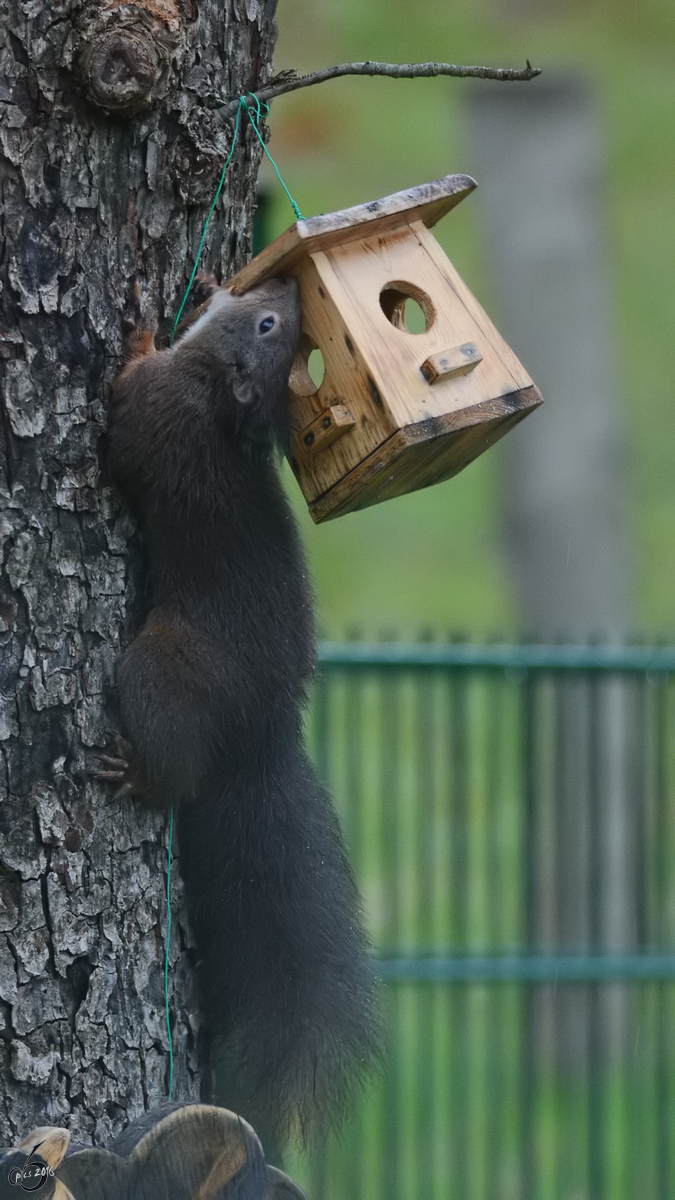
{"x":510,"y":816}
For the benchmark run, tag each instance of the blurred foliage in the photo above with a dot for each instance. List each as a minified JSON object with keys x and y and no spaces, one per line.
{"x":434,"y":558}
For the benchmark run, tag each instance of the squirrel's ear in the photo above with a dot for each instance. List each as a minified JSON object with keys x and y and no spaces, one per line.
{"x":243,"y":387}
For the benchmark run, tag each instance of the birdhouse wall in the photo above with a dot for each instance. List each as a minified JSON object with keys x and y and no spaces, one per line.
{"x":346,"y":382}
{"x":358,"y":274}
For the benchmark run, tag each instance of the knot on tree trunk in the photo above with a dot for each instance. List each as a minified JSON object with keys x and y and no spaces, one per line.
{"x":123,"y":71}
{"x":127,"y":54}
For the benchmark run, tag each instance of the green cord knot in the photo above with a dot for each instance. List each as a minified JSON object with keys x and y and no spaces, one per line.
{"x":258,"y":117}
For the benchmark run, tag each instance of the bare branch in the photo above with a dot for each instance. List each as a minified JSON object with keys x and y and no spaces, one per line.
{"x":289,"y":81}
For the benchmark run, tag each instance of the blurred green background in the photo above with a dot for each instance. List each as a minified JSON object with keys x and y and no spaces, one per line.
{"x":434,"y":786}
{"x":434,"y":560}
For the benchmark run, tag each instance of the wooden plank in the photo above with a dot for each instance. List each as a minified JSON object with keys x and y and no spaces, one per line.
{"x":325,"y":429}
{"x":427,"y":202}
{"x":425,"y":453}
{"x":374,"y":366}
{"x":346,"y":381}
{"x":457,"y":361}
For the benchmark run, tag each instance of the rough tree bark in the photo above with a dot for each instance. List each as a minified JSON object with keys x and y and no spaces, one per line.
{"x":113,"y":133}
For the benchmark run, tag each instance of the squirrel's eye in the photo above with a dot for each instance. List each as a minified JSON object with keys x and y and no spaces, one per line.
{"x":266,"y":324}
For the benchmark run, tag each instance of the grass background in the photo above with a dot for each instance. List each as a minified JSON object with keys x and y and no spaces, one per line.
{"x":434,"y":559}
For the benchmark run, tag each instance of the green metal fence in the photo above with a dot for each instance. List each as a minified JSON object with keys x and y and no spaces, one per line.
{"x":510,"y":816}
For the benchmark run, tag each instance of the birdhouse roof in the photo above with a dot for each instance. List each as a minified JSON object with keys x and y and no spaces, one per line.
{"x":428,"y":203}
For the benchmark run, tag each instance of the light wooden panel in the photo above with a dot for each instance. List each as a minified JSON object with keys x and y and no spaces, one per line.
{"x":466,"y":297}
{"x":355,"y":274}
{"x":345,"y":381}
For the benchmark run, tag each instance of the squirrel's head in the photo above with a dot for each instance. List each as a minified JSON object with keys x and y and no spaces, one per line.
{"x":244,"y":346}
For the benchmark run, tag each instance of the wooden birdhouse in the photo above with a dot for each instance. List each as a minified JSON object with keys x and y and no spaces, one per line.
{"x":395,"y":410}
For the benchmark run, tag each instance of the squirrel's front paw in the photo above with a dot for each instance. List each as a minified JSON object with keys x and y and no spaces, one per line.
{"x":203,"y":288}
{"x":140,"y":330}
{"x":123,"y":769}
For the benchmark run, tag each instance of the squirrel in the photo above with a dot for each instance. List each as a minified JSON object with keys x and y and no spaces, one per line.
{"x":211,"y":697}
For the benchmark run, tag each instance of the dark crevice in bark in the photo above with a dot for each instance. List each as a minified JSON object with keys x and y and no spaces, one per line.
{"x":7,"y":1033}
{"x":48,"y":919}
{"x":7,"y":448}
{"x":78,"y":975}
{"x":144,"y":1082}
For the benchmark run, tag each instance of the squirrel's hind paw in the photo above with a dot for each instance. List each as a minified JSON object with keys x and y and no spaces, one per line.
{"x":122,"y":768}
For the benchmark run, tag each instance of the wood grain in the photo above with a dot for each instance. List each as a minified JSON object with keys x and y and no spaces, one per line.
{"x":355,"y":275}
{"x":374,"y":365}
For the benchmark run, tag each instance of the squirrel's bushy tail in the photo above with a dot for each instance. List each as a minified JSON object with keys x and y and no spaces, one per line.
{"x":286,"y":987}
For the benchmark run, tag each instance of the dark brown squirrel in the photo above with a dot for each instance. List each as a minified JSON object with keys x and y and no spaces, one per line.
{"x":211,"y":696}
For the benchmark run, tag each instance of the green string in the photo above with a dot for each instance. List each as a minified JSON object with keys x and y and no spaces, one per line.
{"x":259,"y":115}
{"x":228,"y":160}
{"x":166,"y":957}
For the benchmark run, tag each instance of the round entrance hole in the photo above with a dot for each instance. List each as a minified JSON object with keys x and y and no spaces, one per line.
{"x":407,"y":307}
{"x":308,"y":370}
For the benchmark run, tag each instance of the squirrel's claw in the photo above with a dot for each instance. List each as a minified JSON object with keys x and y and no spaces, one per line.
{"x":117,"y":775}
{"x":118,"y":764}
{"x":122,"y":769}
{"x":204,"y":286}
{"x":121,"y":793}
{"x":113,"y":775}
{"x":115,"y":768}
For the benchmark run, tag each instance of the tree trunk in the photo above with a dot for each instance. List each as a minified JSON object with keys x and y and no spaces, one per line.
{"x":112,"y":145}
